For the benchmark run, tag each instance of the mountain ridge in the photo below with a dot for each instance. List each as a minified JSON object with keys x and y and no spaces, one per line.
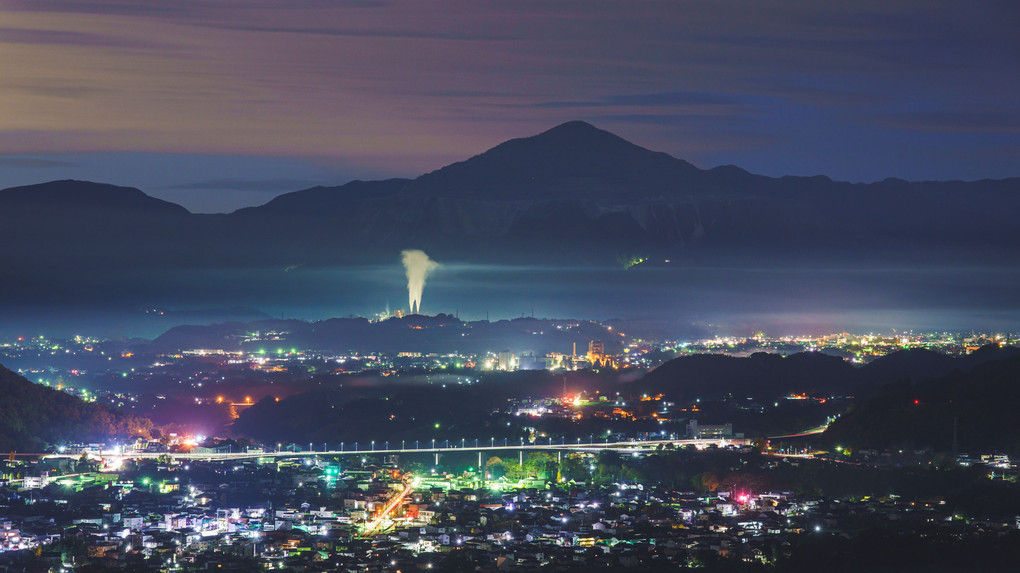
{"x":87,"y":194}
{"x":572,"y":193}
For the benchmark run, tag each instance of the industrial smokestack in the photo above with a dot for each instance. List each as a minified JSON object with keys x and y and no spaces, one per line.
{"x":418,"y":266}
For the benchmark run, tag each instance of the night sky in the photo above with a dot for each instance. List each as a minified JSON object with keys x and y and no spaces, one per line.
{"x":217,"y":105}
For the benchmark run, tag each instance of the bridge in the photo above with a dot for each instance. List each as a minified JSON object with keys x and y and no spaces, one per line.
{"x":630,"y":446}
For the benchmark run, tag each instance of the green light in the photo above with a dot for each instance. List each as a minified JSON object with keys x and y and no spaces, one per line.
{"x":437,"y":424}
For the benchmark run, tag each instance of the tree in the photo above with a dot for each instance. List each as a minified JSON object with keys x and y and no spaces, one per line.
{"x":538,"y":464}
{"x":707,"y":481}
{"x":574,"y":467}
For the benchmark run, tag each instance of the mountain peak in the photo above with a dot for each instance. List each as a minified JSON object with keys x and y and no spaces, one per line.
{"x":575,"y":126}
{"x":573,"y":158}
{"x":591,"y":139}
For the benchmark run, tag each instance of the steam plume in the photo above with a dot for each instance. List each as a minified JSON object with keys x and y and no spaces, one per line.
{"x":418,"y":267}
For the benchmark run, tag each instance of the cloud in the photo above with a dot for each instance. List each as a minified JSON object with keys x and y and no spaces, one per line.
{"x":59,"y":91}
{"x":33,"y":163}
{"x":102,"y":7}
{"x":72,"y":38}
{"x":404,"y":86}
{"x":659,"y":99}
{"x":455,"y":35}
{"x":954,"y":121}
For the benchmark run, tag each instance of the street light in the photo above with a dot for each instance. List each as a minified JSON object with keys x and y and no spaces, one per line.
{"x":373,"y":445}
{"x":492,"y":442}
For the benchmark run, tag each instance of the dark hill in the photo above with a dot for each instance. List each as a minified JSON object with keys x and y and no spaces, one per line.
{"x":909,"y":415}
{"x":65,"y":227}
{"x":33,"y":417}
{"x":56,"y":197}
{"x":914,"y":364}
{"x":762,"y":376}
{"x":987,"y":353}
{"x":917,"y":365}
{"x":767,"y":376}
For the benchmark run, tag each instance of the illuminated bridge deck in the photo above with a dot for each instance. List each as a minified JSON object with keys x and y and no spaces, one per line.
{"x":636,"y":446}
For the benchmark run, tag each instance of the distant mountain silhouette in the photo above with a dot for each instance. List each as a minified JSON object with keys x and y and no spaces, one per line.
{"x":78,"y":226}
{"x":100,"y":198}
{"x":575,"y":160}
{"x":326,"y":201}
{"x":580,"y":192}
{"x":573,"y":193}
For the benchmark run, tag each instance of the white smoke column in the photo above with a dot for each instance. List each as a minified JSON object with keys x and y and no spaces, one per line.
{"x":418,"y":267}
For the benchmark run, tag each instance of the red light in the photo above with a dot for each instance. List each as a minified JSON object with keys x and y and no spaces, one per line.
{"x":916,"y":402}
